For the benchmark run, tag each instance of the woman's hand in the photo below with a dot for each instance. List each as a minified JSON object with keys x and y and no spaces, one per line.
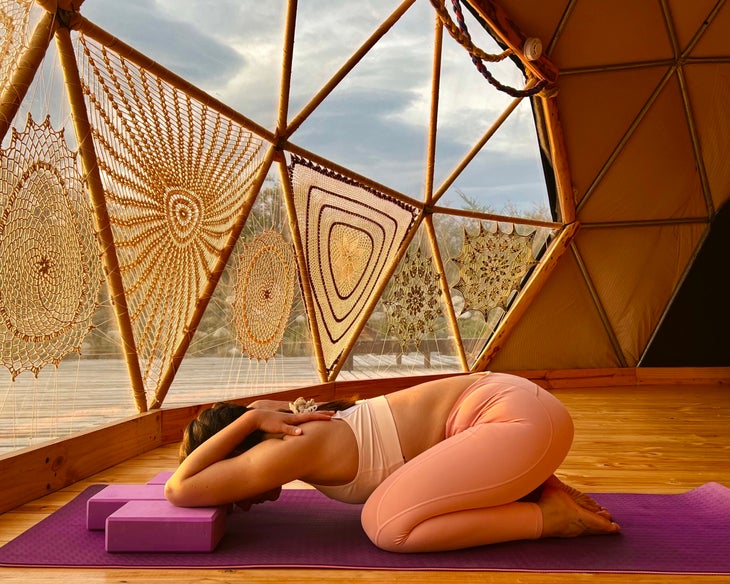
{"x":273,"y":422}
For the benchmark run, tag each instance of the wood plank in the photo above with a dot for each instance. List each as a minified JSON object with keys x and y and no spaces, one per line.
{"x":34,"y":472}
{"x":629,"y":438}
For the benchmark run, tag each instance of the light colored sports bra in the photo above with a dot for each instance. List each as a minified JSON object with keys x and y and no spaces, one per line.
{"x":378,"y":447}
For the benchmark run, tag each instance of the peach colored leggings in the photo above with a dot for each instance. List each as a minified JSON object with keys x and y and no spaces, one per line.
{"x":504,"y":437}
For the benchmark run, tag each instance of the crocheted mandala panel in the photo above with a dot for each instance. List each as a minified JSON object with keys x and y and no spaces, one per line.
{"x":350,"y":235}
{"x":176,"y":176}
{"x":14,"y":18}
{"x":492,"y":264}
{"x":50,"y":271}
{"x":264,"y":292}
{"x":412,"y":304}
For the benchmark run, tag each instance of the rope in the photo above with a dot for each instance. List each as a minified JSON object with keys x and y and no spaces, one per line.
{"x":461,"y":34}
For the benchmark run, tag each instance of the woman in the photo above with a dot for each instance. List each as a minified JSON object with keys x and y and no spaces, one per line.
{"x":452,"y":463}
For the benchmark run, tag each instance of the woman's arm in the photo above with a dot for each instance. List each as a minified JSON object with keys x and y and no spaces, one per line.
{"x":270,"y":404}
{"x":209,"y":477}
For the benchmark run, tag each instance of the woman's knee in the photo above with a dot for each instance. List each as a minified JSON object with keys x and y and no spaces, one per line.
{"x":384,"y":531}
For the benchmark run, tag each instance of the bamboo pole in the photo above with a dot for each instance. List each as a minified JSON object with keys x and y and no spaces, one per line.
{"x":610,"y":333}
{"x":612,"y":68}
{"x":646,"y":223}
{"x":526,"y":296}
{"x":669,"y":26}
{"x":306,"y":281}
{"x":438,"y":37}
{"x":502,"y":26}
{"x":284,"y":92}
{"x":696,"y":146}
{"x":91,"y":30}
{"x":479,"y":145}
{"x":428,"y":219}
{"x":24,"y":73}
{"x":558,"y":31}
{"x":444,"y":283}
{"x":559,"y":157}
{"x":220,"y":266}
{"x":101,"y":214}
{"x":306,"y":111}
{"x":703,"y":27}
{"x":493,"y":217}
{"x":720,"y":60}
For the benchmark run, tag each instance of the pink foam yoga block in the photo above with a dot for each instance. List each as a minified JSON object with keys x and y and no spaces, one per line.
{"x":159,"y":526}
{"x":160,"y":478}
{"x":112,"y":497}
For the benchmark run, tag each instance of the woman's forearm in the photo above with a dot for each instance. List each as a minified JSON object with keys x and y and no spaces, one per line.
{"x":217,"y":447}
{"x":220,"y":445}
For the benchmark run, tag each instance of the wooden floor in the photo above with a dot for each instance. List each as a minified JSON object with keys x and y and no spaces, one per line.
{"x":630,"y":439}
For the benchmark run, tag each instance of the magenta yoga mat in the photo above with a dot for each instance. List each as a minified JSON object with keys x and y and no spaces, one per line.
{"x":683,"y":533}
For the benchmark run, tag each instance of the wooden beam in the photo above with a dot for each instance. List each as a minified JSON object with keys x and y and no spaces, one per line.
{"x":559,"y":159}
{"x":92,"y":177}
{"x":34,"y":472}
{"x":503,"y":26}
{"x":25,"y":71}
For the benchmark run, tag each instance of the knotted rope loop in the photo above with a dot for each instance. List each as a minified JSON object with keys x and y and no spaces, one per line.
{"x":460,"y":33}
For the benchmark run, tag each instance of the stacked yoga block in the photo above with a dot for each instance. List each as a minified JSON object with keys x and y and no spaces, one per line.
{"x":138,"y":518}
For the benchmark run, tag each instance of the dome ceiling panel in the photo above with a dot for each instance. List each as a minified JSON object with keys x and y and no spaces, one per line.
{"x":537,"y":19}
{"x":709,"y":91}
{"x":601,"y":33}
{"x":655,"y":171}
{"x":563,"y":329}
{"x":634,"y":271}
{"x":714,"y":40}
{"x":687,"y":18}
{"x":596,"y":111}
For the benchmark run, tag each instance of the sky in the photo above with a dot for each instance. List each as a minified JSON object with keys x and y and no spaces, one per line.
{"x":375,"y":121}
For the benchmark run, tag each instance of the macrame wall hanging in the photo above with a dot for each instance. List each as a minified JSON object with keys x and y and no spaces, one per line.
{"x":176,"y":176}
{"x":412,"y":304}
{"x":14,"y":18}
{"x":350,"y":238}
{"x":50,"y":271}
{"x":492,"y":265}
{"x":264,"y":291}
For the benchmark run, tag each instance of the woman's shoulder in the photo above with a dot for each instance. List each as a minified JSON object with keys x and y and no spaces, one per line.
{"x":331,"y":448}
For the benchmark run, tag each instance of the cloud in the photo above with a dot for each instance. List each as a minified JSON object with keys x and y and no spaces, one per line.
{"x":375,"y":121}
{"x":360,"y":129}
{"x":180,"y":46}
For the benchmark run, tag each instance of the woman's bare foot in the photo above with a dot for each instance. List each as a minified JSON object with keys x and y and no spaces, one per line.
{"x":579,"y":497}
{"x":565,"y":516}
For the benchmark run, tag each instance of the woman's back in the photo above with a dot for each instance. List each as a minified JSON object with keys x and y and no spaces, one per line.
{"x":420,"y":412}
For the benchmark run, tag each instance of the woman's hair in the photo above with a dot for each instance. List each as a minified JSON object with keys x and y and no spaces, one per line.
{"x":210,"y":422}
{"x":214,"y":419}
